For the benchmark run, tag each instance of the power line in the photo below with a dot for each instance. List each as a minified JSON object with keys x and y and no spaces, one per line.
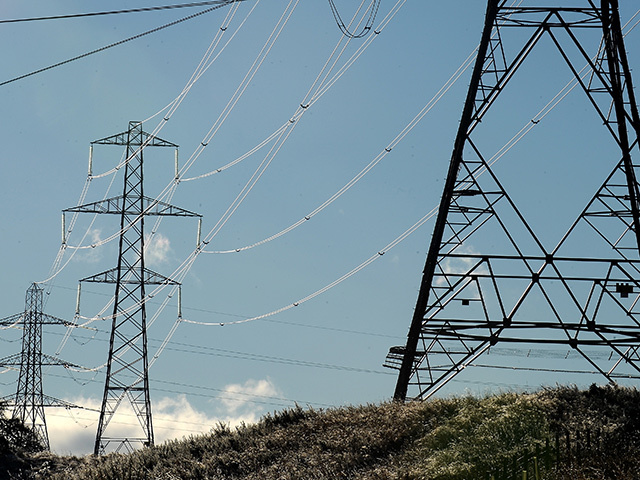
{"x":132,"y":424}
{"x":219,"y":352}
{"x":204,"y":64}
{"x":508,"y":146}
{"x":183,"y":269}
{"x":270,"y":320}
{"x":548,"y":370}
{"x":115,"y":44}
{"x":118,"y":12}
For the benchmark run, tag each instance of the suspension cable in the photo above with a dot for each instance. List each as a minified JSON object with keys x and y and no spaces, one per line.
{"x":373,"y":10}
{"x":115,"y":44}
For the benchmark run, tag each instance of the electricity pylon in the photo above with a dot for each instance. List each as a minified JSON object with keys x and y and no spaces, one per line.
{"x":488,"y":276}
{"x":29,"y":401}
{"x":127,"y":365}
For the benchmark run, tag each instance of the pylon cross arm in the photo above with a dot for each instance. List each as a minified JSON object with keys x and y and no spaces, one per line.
{"x":149,"y":277}
{"x":143,"y":138}
{"x":11,"y":360}
{"x":11,"y":320}
{"x":147,"y":206}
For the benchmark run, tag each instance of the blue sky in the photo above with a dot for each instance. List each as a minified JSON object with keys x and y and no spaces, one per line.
{"x":327,"y":351}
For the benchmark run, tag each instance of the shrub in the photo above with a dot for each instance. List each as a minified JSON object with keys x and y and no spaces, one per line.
{"x":17,"y":441}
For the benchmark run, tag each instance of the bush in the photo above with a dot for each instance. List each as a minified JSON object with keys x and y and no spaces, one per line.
{"x":17,"y":441}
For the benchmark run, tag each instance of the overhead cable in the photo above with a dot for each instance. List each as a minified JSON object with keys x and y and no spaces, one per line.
{"x":119,"y":12}
{"x":323,"y":82}
{"x":387,"y":149}
{"x":508,"y":146}
{"x":188,"y":263}
{"x":115,"y":44}
{"x":170,"y":190}
{"x":207,"y":62}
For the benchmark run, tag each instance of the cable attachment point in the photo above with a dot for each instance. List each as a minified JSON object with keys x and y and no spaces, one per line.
{"x":64,"y":230}
{"x":78,"y":300}
{"x":90,"y":169}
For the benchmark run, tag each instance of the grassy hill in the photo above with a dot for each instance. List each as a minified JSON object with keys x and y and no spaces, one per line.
{"x":592,"y":434}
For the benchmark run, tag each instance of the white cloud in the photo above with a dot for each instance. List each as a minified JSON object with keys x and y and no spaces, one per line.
{"x":158,"y":248}
{"x":73,"y":431}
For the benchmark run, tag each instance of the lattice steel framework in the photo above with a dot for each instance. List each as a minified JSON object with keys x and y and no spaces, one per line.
{"x":29,"y":401}
{"x":581,"y":292}
{"x":127,"y":365}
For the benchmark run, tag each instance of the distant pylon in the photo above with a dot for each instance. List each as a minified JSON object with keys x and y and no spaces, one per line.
{"x":488,"y":277}
{"x":29,"y":401}
{"x":127,"y":365}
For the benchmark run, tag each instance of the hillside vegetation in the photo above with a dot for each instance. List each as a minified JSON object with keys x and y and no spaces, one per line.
{"x":456,"y":438}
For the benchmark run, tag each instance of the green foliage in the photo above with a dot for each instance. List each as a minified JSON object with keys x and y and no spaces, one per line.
{"x":468,"y":437}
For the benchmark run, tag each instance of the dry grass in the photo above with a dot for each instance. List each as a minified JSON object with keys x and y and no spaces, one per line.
{"x":460,"y":438}
{"x":293,"y":444}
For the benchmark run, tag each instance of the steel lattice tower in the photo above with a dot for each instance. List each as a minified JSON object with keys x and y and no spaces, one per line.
{"x":582,"y":291}
{"x":127,"y":365}
{"x":29,"y":401}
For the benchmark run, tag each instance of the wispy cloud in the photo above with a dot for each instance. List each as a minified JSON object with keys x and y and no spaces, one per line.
{"x":158,"y":249}
{"x":91,"y":255}
{"x":238,"y":400}
{"x":457,"y":266}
